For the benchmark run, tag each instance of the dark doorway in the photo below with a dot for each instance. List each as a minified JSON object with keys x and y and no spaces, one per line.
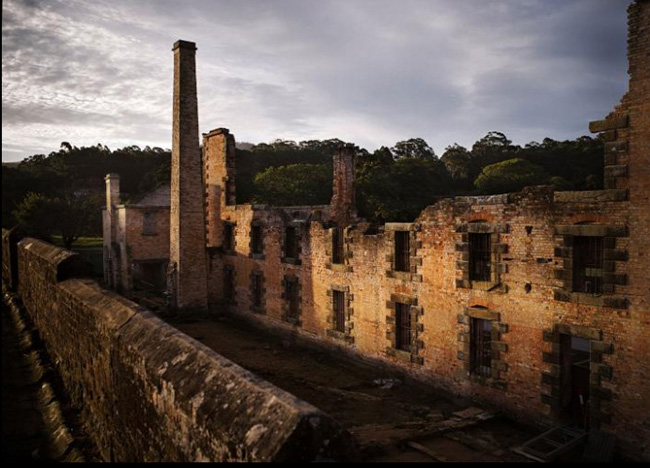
{"x":574,"y":385}
{"x":150,"y":275}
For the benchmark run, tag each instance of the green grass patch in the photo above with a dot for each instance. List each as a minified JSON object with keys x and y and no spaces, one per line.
{"x":81,"y":243}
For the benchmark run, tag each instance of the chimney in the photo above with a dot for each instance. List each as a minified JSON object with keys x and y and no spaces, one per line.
{"x":187,"y":256}
{"x":219,"y":170}
{"x":343,"y":205}
{"x":112,"y":191}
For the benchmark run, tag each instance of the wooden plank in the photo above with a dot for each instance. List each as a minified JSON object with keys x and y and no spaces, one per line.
{"x":430,"y":453}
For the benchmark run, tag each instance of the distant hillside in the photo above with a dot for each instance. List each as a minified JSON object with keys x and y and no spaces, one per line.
{"x":10,"y":164}
{"x":242,"y":145}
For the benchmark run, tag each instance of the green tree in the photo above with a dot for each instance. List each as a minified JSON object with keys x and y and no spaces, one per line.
{"x":400,"y":190}
{"x":579,"y":161}
{"x":295,"y":184}
{"x":70,"y":216}
{"x":493,"y":148}
{"x":413,"y":148}
{"x":509,"y":176}
{"x":460,"y":165}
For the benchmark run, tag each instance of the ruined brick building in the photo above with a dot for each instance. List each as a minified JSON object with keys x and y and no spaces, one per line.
{"x":537,"y":302}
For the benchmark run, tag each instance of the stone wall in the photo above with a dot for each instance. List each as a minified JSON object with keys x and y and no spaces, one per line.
{"x":629,"y":150}
{"x":148,"y":392}
{"x":527,"y":298}
{"x":6,"y":258}
{"x":147,"y":232}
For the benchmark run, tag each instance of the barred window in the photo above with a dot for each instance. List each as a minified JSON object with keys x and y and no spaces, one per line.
{"x":588,"y":264}
{"x":479,"y":257}
{"x":338,"y":299}
{"x":403,"y":327}
{"x":481,"y":347}
{"x":402,"y":251}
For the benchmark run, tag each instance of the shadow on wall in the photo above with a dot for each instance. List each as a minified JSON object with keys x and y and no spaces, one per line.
{"x":132,"y":375}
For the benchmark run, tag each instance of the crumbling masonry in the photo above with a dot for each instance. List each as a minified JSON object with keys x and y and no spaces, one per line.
{"x":537,"y":302}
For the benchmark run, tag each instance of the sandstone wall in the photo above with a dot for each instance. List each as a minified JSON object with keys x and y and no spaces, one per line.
{"x":148,"y":392}
{"x":150,"y":242}
{"x":528,"y":299}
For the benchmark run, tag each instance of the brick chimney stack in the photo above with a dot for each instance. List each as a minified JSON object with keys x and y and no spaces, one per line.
{"x":219,"y":169}
{"x":343,"y":208}
{"x":112,"y":191}
{"x":110,"y":226}
{"x":187,"y":272}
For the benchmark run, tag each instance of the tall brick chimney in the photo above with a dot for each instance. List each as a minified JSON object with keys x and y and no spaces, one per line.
{"x":112,"y":191}
{"x":187,"y":252}
{"x":110,"y":230}
{"x":343,"y":205}
{"x":219,"y":170}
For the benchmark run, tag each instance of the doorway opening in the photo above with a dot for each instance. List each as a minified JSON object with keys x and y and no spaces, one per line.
{"x":574,"y":386}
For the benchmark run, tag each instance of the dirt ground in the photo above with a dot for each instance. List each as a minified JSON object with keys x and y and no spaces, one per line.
{"x":392,"y":419}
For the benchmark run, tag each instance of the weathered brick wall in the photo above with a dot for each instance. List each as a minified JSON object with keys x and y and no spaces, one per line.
{"x":270,"y":264}
{"x":151,"y":243}
{"x":344,"y":206}
{"x":148,"y":392}
{"x":10,"y":238}
{"x":632,"y":341}
{"x":528,"y":298}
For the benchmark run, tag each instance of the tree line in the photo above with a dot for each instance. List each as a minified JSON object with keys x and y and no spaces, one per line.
{"x":62,"y":193}
{"x":397,"y":183}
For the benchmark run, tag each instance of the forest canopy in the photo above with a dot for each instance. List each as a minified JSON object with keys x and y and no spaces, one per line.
{"x":393,"y":184}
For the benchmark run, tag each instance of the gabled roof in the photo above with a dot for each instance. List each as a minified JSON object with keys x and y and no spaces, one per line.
{"x":160,"y":196}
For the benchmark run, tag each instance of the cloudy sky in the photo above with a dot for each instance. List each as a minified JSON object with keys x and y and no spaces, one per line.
{"x":372,"y":72}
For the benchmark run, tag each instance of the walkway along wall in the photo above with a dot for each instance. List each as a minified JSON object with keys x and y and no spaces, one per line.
{"x":147,"y":392}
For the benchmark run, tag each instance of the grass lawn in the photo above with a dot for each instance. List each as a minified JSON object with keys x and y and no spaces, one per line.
{"x":81,"y":243}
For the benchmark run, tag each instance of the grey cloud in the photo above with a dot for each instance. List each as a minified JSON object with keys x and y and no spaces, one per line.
{"x":367,"y":71}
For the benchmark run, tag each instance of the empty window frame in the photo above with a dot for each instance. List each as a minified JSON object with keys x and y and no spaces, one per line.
{"x":588,"y":264}
{"x":338,"y":303}
{"x":257,"y":242}
{"x":229,"y":237}
{"x":402,"y":251}
{"x":292,"y":297}
{"x":229,"y":284}
{"x":480,"y":347}
{"x":479,"y":257}
{"x":403,"y":337}
{"x":256,"y":291}
{"x":291,"y":243}
{"x":338,"y":245}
